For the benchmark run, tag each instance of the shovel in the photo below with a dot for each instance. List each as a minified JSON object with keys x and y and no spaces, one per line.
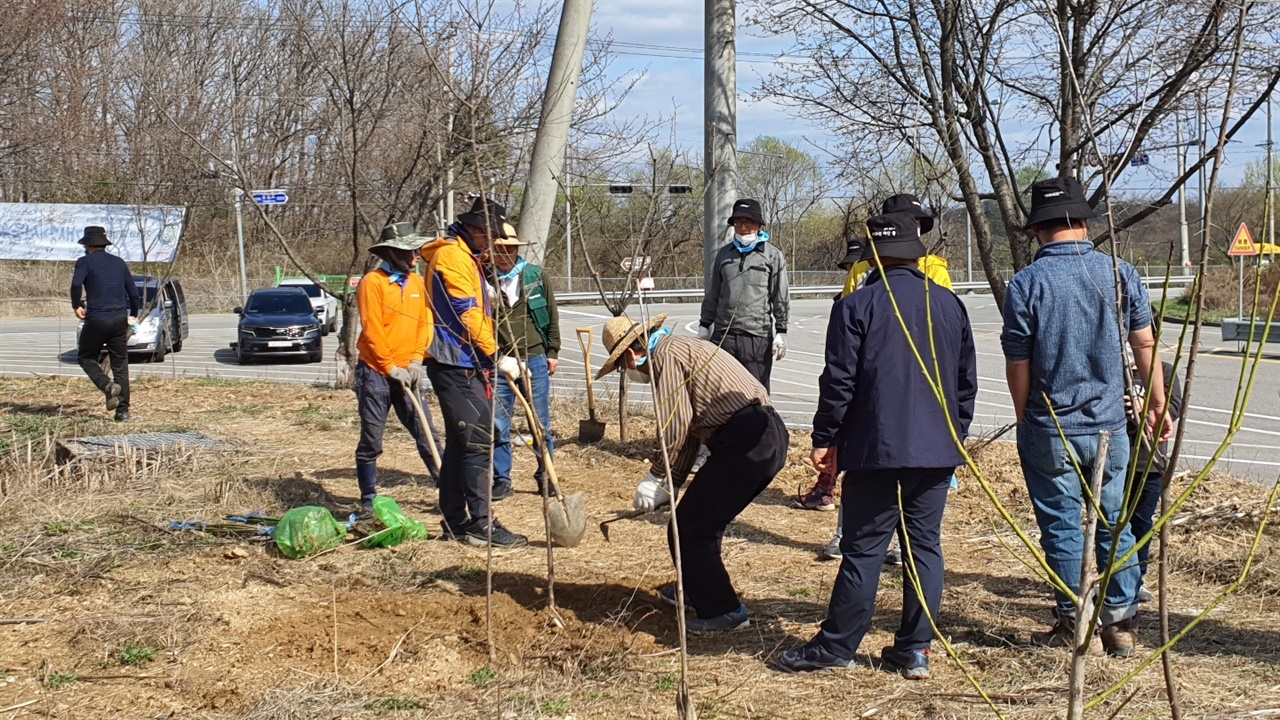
{"x":426,"y":427}
{"x":590,"y":430}
{"x":566,"y":516}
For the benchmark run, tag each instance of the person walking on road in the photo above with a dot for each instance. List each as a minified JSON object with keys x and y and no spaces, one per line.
{"x":879,"y":420}
{"x":704,"y":397}
{"x":746,"y":305}
{"x":105,"y":297}
{"x":395,"y":328}
{"x":1065,"y":369}
{"x":528,"y":329}
{"x":460,"y":362}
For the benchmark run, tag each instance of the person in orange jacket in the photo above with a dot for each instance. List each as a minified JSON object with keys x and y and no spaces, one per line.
{"x":395,"y":328}
{"x":460,"y":363}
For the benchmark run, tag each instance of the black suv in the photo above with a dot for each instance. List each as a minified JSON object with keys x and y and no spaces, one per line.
{"x":278,"y":322}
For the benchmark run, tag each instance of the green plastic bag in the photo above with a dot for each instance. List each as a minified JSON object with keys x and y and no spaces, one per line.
{"x":399,"y":527}
{"x":308,"y":530}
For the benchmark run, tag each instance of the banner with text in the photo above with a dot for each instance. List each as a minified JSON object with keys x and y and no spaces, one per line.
{"x":48,"y":231}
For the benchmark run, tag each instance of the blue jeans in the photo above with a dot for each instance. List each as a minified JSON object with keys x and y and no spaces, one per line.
{"x":540,"y":380}
{"x":1057,"y":494}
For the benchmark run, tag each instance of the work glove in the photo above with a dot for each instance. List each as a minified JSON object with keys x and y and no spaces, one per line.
{"x":511,"y":368}
{"x":651,"y":494}
{"x":779,"y":346}
{"x":704,"y":332}
{"x":416,"y":373}
{"x":402,"y":376}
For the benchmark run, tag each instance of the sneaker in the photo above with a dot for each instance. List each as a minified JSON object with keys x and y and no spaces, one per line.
{"x":502,"y":491}
{"x":913,"y":664}
{"x":1144,"y":595}
{"x":820,"y":497}
{"x":728,"y":621}
{"x":478,"y":535}
{"x":1120,"y":639}
{"x":810,"y":658}
{"x":831,"y":551}
{"x":1063,"y":635}
{"x":893,"y":557}
{"x":551,"y":491}
{"x":366,"y":508}
{"x":123,"y":416}
{"x":667,"y":594}
{"x":112,"y":394}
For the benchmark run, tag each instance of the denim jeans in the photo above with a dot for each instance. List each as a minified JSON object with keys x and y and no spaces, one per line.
{"x":540,"y":380}
{"x":1057,"y":494}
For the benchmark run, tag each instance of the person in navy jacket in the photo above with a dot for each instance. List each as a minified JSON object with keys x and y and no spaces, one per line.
{"x":880,"y":421}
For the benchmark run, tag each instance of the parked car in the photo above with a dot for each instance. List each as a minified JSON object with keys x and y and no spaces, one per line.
{"x":278,"y":322}
{"x":163,"y":323}
{"x":320,"y":300}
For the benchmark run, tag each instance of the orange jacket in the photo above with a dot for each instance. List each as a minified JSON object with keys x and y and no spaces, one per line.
{"x":461,"y":306}
{"x":396,"y":324}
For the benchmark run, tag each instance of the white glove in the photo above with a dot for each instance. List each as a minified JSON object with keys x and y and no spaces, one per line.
{"x":704,"y":332}
{"x":779,"y":346}
{"x":650,"y":494}
{"x":416,"y":373}
{"x":402,"y":376}
{"x":510,"y":367}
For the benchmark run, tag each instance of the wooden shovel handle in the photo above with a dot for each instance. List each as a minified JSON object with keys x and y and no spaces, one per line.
{"x":586,"y":365}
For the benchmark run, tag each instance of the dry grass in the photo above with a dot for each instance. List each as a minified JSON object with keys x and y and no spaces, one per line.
{"x":253,"y":637}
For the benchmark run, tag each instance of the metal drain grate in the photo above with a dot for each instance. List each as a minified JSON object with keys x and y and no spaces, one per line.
{"x":115,"y":444}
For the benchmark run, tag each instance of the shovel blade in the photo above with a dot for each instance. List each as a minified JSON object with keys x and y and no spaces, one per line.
{"x":567,"y":520}
{"x":590,"y":431}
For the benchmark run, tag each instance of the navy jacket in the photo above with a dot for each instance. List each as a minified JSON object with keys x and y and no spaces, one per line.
{"x":107,"y":284}
{"x":874,"y":402}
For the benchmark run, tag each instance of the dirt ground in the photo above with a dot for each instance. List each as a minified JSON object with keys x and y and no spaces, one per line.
{"x":142,"y":622}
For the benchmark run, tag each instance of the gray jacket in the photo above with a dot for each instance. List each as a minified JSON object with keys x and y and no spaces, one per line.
{"x":747,"y":292}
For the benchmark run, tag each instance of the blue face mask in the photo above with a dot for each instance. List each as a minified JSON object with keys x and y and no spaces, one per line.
{"x":748,"y":243}
{"x":653,"y":343}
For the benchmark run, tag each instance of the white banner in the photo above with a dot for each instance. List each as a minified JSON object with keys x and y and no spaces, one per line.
{"x":47,"y":231}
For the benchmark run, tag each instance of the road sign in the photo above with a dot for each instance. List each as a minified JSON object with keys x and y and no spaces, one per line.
{"x":270,"y":197}
{"x":1243,"y":244}
{"x":639,"y":262}
{"x":1140,"y":160}
{"x":353,"y":281}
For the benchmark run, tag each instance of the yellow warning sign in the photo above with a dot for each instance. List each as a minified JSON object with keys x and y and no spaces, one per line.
{"x":1243,"y":244}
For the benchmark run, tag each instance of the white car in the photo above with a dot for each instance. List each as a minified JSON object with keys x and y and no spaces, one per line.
{"x":320,"y":300}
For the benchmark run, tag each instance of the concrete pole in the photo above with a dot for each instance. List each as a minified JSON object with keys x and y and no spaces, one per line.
{"x":1185,"y":257}
{"x":720,"y":127}
{"x":568,"y":240}
{"x":547,"y":165}
{"x":244,"y":278}
{"x":968,"y":245}
{"x":1271,"y":186}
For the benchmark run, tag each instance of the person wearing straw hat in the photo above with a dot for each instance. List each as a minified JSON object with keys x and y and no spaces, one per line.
{"x":109,"y":309}
{"x":746,"y":304}
{"x":703,"y":396}
{"x":529,"y":329}
{"x":1065,"y":369}
{"x":879,"y":420}
{"x":395,"y":327}
{"x":460,"y":361}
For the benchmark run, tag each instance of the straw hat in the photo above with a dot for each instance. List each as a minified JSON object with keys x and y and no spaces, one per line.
{"x":619,"y":333}
{"x":509,"y":233}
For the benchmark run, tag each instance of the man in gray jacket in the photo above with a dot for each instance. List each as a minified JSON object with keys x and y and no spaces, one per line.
{"x":746,"y":304}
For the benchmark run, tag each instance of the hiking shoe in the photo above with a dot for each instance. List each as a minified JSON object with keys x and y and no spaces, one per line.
{"x":728,"y":621}
{"x":123,"y":416}
{"x":112,"y":394}
{"x":1144,"y":595}
{"x":1120,"y":639}
{"x":818,"y":498}
{"x":893,"y":557}
{"x":550,"y":491}
{"x":912,"y":664}
{"x":366,"y":509}
{"x":667,"y":594}
{"x":811,"y":658}
{"x":831,"y":551}
{"x":502,"y":491}
{"x":478,"y":535}
{"x":1063,"y":635}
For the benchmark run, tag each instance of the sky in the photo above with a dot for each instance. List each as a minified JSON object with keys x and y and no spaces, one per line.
{"x":662,"y":39}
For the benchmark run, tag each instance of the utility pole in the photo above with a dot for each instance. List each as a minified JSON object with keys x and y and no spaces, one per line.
{"x":1271,"y":187}
{"x":968,"y":244}
{"x":244,"y":278}
{"x":1182,"y":194}
{"x":568,"y":236}
{"x":547,"y":165}
{"x":719,"y":126}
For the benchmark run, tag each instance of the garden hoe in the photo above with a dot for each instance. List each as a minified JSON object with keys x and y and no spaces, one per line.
{"x":590,"y":430}
{"x":566,"y":516}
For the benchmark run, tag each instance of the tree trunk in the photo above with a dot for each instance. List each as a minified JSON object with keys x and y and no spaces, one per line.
{"x":347,"y":354}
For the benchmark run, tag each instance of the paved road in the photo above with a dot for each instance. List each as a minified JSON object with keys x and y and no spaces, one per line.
{"x":45,"y":346}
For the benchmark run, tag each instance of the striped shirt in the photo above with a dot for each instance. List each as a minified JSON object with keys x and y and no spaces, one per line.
{"x":697,"y":389}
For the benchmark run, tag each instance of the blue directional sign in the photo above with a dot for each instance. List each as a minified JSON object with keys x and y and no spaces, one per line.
{"x":270,"y":197}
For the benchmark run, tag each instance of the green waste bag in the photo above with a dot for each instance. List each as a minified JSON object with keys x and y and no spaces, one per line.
{"x":308,"y":530}
{"x":399,"y":527}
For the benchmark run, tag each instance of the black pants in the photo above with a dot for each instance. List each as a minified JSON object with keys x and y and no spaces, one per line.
{"x":755,"y":354}
{"x":746,"y":453}
{"x":465,"y":475}
{"x":871,"y":519}
{"x":376,"y":394}
{"x":111,"y":332}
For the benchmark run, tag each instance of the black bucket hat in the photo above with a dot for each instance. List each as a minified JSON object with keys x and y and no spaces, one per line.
{"x":486,"y":214}
{"x":95,"y":236}
{"x":1059,"y":198}
{"x":894,"y":236}
{"x":747,"y":209}
{"x":853,"y":248}
{"x":908,"y":204}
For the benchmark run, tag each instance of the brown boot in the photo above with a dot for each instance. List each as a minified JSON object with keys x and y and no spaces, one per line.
{"x":1063,"y":635}
{"x":1120,"y":639}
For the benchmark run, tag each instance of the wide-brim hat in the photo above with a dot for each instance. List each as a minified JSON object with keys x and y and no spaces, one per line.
{"x":909,"y":204}
{"x":894,"y":236}
{"x":399,"y":236}
{"x":747,"y":209}
{"x":618,"y":334}
{"x":509,"y":236}
{"x":487,"y":215}
{"x":852,"y":252}
{"x":1060,"y":198}
{"x":95,"y":236}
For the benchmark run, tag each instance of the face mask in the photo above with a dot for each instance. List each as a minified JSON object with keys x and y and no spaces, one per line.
{"x":746,"y":243}
{"x":638,"y":377}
